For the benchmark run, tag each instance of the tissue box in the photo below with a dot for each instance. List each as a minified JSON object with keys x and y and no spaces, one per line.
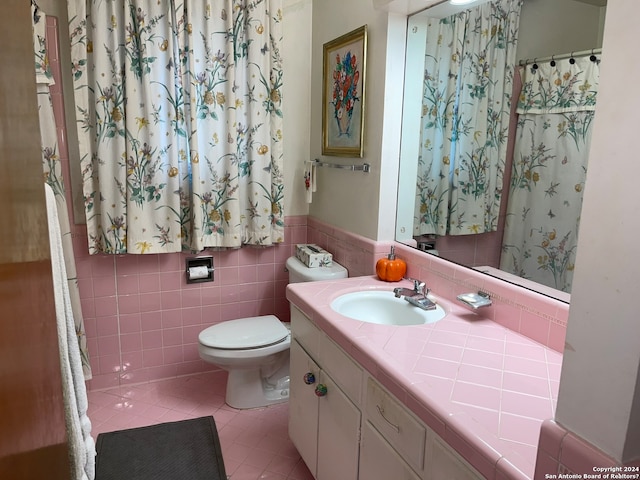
{"x":313,"y":256}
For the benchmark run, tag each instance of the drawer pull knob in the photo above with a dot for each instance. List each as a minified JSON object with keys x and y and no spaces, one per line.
{"x":309,"y":378}
{"x":381,"y":412}
{"x":321,"y":390}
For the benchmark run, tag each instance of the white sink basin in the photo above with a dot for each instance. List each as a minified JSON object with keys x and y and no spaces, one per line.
{"x":382,"y":307}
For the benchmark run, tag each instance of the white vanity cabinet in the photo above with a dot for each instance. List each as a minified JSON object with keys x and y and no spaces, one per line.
{"x":446,"y":464}
{"x":303,"y":406}
{"x":324,"y":426}
{"x":357,"y":430}
{"x":378,"y":460}
{"x":399,"y":427}
{"x":413,"y":443}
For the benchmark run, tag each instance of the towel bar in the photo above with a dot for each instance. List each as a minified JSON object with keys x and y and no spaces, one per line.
{"x":365,"y":167}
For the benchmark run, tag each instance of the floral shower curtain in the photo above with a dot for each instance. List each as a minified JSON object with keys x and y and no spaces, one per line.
{"x":466,"y":105}
{"x":556,"y":109}
{"x":180,"y":123}
{"x":52,"y":168}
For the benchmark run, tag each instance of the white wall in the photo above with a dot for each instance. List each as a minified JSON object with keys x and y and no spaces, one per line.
{"x":296,"y":101}
{"x":599,"y":385}
{"x":351,"y":200}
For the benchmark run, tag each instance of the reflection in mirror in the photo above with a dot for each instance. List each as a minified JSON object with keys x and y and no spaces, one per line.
{"x":498,"y":105}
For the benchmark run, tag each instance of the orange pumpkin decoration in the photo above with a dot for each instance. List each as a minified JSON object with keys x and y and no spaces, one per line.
{"x":391,"y":269}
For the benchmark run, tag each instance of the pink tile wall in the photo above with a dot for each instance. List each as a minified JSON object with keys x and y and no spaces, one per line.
{"x":357,"y":254}
{"x":563,"y":452}
{"x":142,"y":319}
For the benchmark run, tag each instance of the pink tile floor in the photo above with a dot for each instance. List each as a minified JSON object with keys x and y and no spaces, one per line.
{"x":255,"y":443}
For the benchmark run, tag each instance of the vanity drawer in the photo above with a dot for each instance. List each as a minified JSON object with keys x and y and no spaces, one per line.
{"x":406,"y":434}
{"x":305,"y":332}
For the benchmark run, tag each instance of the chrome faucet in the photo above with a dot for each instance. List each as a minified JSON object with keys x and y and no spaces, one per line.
{"x":416,"y":297}
{"x":418,"y":289}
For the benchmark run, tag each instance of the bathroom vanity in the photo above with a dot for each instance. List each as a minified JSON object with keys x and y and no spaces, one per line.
{"x":346,"y":425}
{"x":372,"y":401}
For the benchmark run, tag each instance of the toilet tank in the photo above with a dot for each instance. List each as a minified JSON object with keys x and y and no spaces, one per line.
{"x":299,"y":272}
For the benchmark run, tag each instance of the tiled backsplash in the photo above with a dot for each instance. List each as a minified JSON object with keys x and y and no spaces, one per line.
{"x":357,"y":254}
{"x":537,"y":316}
{"x":541,"y":318}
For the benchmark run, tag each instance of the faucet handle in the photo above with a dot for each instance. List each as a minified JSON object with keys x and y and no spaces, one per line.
{"x":418,"y":285}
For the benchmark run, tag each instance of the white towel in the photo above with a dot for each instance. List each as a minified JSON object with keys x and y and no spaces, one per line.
{"x":81,"y":444}
{"x":310,"y":184}
{"x":314,"y":176}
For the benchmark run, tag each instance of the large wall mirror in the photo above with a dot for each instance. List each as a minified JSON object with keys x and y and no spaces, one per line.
{"x":527,"y":240}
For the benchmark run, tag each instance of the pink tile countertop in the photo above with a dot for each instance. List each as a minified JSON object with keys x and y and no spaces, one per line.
{"x":483,"y":388}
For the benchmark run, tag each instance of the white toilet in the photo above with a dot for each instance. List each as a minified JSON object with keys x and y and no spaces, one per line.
{"x":255,"y":350}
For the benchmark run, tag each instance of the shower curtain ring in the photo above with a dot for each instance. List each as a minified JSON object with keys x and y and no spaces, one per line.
{"x":571,"y":59}
{"x":535,"y":65}
{"x":593,"y":58}
{"x":553,"y":61}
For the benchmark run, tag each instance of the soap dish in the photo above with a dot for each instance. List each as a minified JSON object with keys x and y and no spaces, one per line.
{"x":475,"y":300}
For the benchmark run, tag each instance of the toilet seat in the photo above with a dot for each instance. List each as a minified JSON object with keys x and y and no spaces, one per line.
{"x":245,"y":333}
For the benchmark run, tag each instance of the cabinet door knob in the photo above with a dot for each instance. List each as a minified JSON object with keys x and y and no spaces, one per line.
{"x":309,"y":378}
{"x":321,"y":390}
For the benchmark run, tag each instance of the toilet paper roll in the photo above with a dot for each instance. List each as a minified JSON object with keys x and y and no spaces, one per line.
{"x":195,"y":273}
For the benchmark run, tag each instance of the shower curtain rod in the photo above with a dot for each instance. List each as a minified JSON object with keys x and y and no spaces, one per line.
{"x":582,"y":53}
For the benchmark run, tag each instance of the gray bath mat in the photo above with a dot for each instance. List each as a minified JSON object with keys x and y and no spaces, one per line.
{"x":184,"y":450}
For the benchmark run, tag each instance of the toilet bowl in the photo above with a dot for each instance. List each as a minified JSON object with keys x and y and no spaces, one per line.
{"x":255,"y":350}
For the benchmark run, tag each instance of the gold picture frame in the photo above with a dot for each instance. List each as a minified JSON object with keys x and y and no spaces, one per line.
{"x":343,"y":94}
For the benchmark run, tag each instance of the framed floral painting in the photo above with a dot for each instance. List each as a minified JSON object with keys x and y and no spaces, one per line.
{"x":343,"y":94}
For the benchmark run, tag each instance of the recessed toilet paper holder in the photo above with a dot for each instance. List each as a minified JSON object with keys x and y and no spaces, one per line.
{"x":199,"y":269}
